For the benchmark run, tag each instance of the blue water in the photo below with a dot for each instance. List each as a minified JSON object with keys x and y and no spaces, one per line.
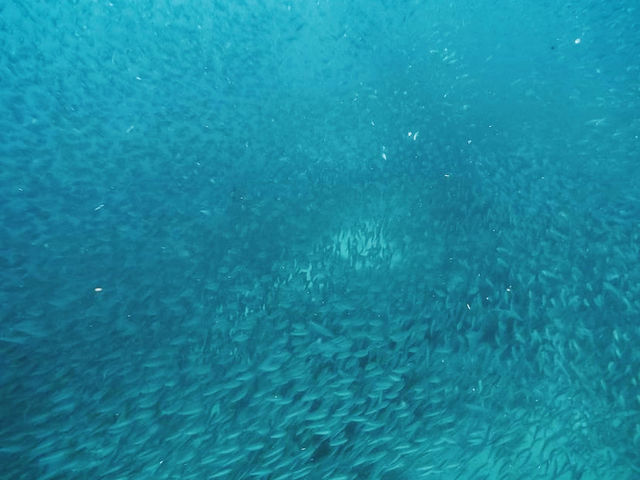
{"x":319,"y":240}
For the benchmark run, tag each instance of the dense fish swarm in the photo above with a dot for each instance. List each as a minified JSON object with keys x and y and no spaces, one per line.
{"x":274,"y":241}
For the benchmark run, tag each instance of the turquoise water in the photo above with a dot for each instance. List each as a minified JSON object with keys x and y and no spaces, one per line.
{"x":328,"y":240}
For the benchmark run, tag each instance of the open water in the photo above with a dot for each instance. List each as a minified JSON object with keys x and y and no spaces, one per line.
{"x":326,"y":240}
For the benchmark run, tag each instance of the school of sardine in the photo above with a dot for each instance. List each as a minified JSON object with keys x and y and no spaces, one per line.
{"x":386,"y":351}
{"x":300,"y":296}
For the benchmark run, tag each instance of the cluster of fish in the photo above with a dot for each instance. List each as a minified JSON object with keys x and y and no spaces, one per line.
{"x":261,"y":240}
{"x":396,"y":348}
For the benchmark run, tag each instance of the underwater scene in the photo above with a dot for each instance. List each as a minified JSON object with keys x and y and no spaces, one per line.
{"x":319,"y":239}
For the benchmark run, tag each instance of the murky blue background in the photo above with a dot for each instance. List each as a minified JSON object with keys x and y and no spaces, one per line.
{"x":319,"y":239}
